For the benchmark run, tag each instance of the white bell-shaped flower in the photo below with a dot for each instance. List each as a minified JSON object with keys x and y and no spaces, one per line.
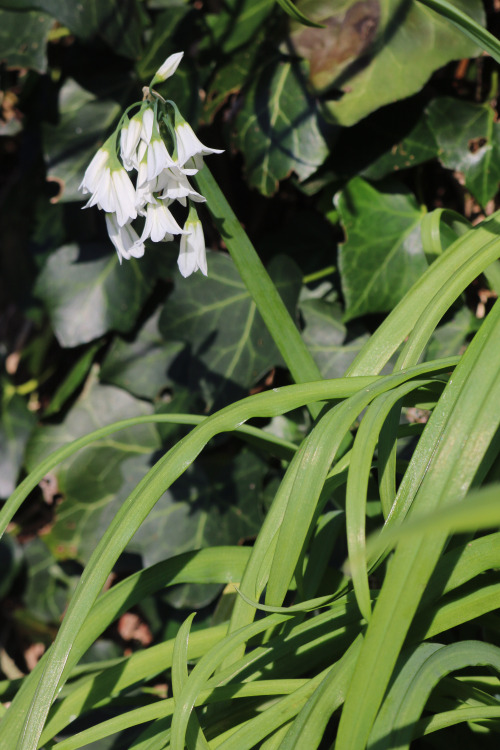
{"x":160,"y":223}
{"x":192,"y":255}
{"x":176,"y":187}
{"x":188,"y":144}
{"x":130,"y":136}
{"x":124,"y":238}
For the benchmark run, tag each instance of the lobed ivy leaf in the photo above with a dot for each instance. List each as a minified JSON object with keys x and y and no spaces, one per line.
{"x":91,"y":479}
{"x":327,"y":338}
{"x":382,"y":255}
{"x":373,"y":52}
{"x":145,"y":365}
{"x":229,"y":344}
{"x":215,"y":502}
{"x":87,"y":292}
{"x":279,"y":128}
{"x":469,"y":141}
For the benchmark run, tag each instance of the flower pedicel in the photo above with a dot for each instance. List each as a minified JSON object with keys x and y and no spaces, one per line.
{"x":139,"y":144}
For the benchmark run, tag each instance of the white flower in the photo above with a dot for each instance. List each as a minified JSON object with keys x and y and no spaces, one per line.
{"x":129,"y":140}
{"x":160,"y":224}
{"x":124,"y":238}
{"x":115,"y":193}
{"x":96,"y":172}
{"x":188,"y":144}
{"x":153,"y":160}
{"x":192,"y":250}
{"x":176,"y":187}
{"x":168,"y":68}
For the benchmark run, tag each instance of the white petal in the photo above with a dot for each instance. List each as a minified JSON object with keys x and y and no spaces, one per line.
{"x":168,"y":68}
{"x":188,"y":144}
{"x":192,"y":255}
{"x":125,"y":239}
{"x":147,"y":125}
{"x":124,"y":196}
{"x":94,"y":172}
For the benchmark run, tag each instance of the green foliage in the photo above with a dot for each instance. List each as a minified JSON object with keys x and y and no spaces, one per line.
{"x":326,"y":575}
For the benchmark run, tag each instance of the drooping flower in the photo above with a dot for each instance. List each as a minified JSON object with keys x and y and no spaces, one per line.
{"x":188,"y":144}
{"x":192,"y":255}
{"x":130,"y":135}
{"x":168,"y":68}
{"x":176,"y":187}
{"x":160,"y":223}
{"x":124,"y":238}
{"x":110,"y":185}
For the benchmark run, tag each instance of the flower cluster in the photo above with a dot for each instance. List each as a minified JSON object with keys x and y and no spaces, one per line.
{"x":139,"y":146}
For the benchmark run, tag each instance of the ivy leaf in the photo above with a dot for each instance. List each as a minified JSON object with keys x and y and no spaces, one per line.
{"x":373,"y":52}
{"x":215,"y":502}
{"x":468,"y":137}
{"x":145,"y":365}
{"x":23,"y":38}
{"x":382,"y":255}
{"x":70,"y":145}
{"x":229,"y":343}
{"x":15,"y":427}
{"x":87,"y":292}
{"x":279,"y":128}
{"x":327,"y":338}
{"x":92,"y":477}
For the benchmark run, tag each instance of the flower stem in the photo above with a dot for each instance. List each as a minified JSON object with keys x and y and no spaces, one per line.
{"x":278,"y":321}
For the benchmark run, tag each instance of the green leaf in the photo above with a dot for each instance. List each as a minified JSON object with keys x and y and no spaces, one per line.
{"x":382,"y":256}
{"x":230,"y":78}
{"x":70,"y":145}
{"x":468,"y":137}
{"x":451,"y":337}
{"x":49,"y":585}
{"x":467,"y":26}
{"x":327,"y":338}
{"x":230,"y":346}
{"x":23,"y":38}
{"x":374,"y":52}
{"x":16,"y":425}
{"x":279,"y":128}
{"x":291,"y":10}
{"x":233,"y":28}
{"x":93,"y":477}
{"x":214,"y":503}
{"x":417,"y":147}
{"x":145,"y":365}
{"x":87,"y":292}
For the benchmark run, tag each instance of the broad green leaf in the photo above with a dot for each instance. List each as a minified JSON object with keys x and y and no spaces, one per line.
{"x":374,"y":52}
{"x":87,"y":292}
{"x":70,"y":145}
{"x":230,"y":78}
{"x":327,"y":338}
{"x":279,"y":128}
{"x":91,"y":478}
{"x":417,"y":147}
{"x":232,"y":28}
{"x":295,"y":13}
{"x":23,"y":38}
{"x":146,"y":364}
{"x":382,"y":255}
{"x":49,"y":585}
{"x":118,"y":22}
{"x":16,"y":425}
{"x":214,"y":503}
{"x":230,"y":346}
{"x":451,"y":337}
{"x":468,"y":137}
